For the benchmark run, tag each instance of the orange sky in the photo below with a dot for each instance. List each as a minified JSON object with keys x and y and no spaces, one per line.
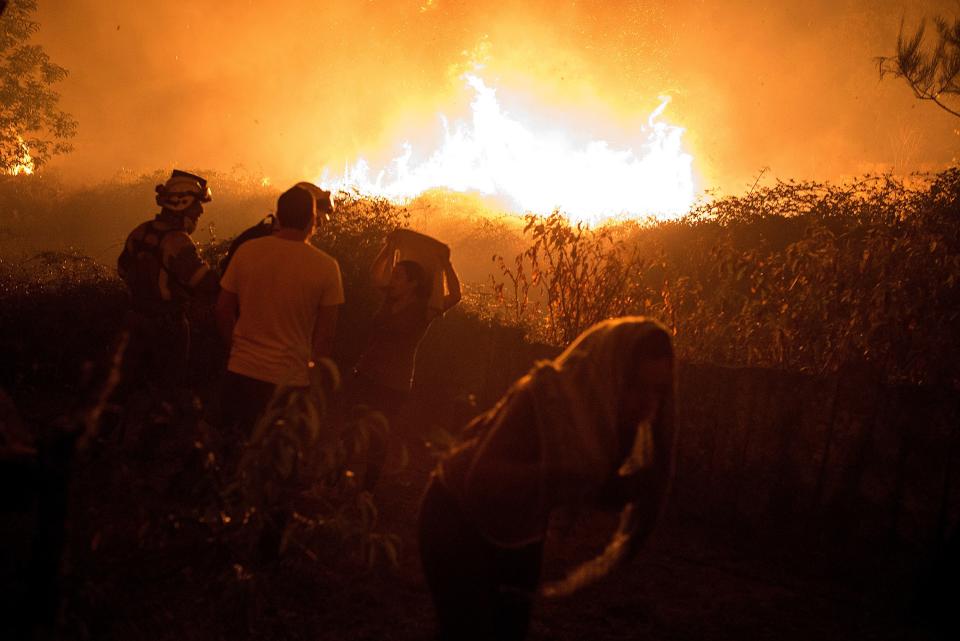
{"x":286,"y":88}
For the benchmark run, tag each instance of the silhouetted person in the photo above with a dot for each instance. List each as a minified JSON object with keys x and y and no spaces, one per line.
{"x":383,"y":377}
{"x":164,"y":274}
{"x":593,"y":427}
{"x":277,"y":310}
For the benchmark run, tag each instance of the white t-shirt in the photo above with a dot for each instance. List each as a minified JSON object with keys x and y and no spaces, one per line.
{"x":281,"y":285}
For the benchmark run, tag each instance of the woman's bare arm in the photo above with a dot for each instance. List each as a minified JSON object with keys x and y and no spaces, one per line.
{"x":641,"y":491}
{"x":453,"y":282}
{"x":379,"y":263}
{"x":637,"y":520}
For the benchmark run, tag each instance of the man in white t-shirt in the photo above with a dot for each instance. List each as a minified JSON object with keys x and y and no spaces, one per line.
{"x":277,"y":309}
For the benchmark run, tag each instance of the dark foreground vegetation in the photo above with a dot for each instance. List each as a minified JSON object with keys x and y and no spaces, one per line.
{"x":812,"y":320}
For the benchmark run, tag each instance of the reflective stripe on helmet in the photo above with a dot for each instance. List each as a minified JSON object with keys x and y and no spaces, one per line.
{"x":181,"y":190}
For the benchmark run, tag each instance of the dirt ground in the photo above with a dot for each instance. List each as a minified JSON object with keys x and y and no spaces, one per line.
{"x":687,"y":584}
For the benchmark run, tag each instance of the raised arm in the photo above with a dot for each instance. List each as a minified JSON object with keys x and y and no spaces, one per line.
{"x":379,"y":268}
{"x":453,"y":282}
{"x":378,"y":259}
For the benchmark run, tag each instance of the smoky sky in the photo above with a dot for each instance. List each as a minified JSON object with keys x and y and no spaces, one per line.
{"x":283,"y":89}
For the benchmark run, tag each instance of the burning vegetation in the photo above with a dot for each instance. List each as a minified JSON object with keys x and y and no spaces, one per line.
{"x":529,"y":166}
{"x":798,"y":279}
{"x":804,"y":349}
{"x":22,"y":164}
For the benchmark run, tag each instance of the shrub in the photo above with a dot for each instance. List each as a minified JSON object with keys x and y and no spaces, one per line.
{"x":297,"y":473}
{"x":799,"y":276}
{"x":57,"y":311}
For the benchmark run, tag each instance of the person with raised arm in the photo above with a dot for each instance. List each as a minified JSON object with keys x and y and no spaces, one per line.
{"x":419,"y":285}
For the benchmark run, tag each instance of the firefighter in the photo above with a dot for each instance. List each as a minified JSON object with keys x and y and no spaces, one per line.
{"x":164,"y":273}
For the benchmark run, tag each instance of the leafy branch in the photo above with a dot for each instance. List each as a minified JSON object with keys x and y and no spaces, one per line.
{"x":32,"y":126}
{"x":932,"y":74}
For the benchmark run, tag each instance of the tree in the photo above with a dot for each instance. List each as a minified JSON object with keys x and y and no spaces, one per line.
{"x":32,"y":127}
{"x":931,"y":73}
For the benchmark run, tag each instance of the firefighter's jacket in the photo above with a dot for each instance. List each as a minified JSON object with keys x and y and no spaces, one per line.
{"x":163,"y":269}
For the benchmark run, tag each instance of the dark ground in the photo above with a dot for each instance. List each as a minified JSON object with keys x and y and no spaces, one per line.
{"x":121,"y":582}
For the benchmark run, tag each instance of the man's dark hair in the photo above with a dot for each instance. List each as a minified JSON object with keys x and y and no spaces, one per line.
{"x":415,"y":272}
{"x":295,"y":208}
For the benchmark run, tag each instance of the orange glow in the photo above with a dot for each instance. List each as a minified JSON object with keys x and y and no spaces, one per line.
{"x":24,"y":164}
{"x":535,"y":168}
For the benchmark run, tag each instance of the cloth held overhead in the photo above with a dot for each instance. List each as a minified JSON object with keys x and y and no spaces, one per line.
{"x":430,"y":253}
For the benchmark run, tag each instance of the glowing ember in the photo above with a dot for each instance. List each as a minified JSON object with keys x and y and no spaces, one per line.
{"x":24,"y":162}
{"x":538,"y":169}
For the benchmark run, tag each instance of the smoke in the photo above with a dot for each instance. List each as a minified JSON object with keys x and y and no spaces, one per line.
{"x":286,"y":89}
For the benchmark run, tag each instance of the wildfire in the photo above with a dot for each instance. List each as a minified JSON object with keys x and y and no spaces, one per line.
{"x":538,"y":169}
{"x":24,"y":162}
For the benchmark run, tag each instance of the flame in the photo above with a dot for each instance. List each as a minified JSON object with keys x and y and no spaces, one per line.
{"x":24,"y":163}
{"x":538,"y":169}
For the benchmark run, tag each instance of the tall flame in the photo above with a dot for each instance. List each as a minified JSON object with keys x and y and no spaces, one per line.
{"x":24,"y":162}
{"x":538,"y":169}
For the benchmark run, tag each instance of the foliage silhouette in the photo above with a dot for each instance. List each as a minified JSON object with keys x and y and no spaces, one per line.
{"x":798,"y":276}
{"x":932,"y":74}
{"x":30,"y":120}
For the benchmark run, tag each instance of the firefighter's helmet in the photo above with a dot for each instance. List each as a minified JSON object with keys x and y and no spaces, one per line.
{"x":182,"y":190}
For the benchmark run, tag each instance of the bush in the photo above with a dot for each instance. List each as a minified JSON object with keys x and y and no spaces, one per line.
{"x":173,"y":503}
{"x":798,"y":276}
{"x":57,"y":311}
{"x":297,"y":474}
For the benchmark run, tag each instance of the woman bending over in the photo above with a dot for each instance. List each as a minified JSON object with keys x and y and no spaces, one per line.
{"x":593,"y":427}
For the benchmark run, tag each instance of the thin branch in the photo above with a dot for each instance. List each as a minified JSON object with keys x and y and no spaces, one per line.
{"x":925,"y":95}
{"x":929,"y":75}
